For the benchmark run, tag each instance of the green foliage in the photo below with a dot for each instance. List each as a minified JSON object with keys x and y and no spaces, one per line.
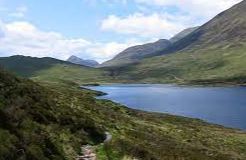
{"x":28,"y":66}
{"x":7,"y":146}
{"x":205,"y":67}
{"x":213,"y":53}
{"x":54,"y":121}
{"x":39,"y":126}
{"x":69,"y":73}
{"x":51,"y":119}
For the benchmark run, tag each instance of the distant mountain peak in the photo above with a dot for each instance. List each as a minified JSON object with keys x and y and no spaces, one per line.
{"x":73,"y":57}
{"x":162,"y":41}
{"x":183,"y":34}
{"x":76,"y":60}
{"x":136,"y":53}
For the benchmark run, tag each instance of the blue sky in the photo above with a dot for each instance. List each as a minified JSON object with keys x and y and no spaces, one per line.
{"x":95,"y":29}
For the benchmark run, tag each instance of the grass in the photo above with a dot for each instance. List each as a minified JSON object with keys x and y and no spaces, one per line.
{"x":53,"y":120}
{"x":35,"y":124}
{"x":213,"y":53}
{"x":75,"y":74}
{"x":52,"y":117}
{"x":209,"y":66}
{"x":54,"y":71}
{"x":28,"y":66}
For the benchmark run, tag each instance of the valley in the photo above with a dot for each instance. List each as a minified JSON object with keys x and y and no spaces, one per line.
{"x":212,"y":53}
{"x":161,"y":100}
{"x":82,"y":119}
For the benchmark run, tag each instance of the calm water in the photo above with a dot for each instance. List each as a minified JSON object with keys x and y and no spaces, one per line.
{"x":222,"y":105}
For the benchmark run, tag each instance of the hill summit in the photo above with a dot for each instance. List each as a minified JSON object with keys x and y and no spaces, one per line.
{"x":83,"y":62}
{"x":137,"y":53}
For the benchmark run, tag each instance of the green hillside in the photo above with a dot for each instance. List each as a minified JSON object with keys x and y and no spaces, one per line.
{"x":53,"y":122}
{"x":214,"y":53}
{"x":205,"y":67}
{"x":37,"y":123}
{"x":53,"y":70}
{"x":183,"y":34}
{"x":136,"y":53}
{"x":28,"y":66}
{"x":45,"y":115}
{"x":225,"y":31}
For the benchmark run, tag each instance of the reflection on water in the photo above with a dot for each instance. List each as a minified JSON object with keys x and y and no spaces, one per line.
{"x":221,"y":105}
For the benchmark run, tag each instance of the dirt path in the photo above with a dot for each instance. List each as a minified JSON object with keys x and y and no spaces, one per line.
{"x":88,"y":151}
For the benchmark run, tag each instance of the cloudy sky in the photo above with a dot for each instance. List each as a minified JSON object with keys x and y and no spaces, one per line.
{"x":96,"y":29}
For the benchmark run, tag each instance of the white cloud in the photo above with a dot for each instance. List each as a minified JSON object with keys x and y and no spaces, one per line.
{"x":204,"y":8}
{"x":2,"y":30}
{"x":25,"y":39}
{"x":109,"y":50}
{"x":164,"y":24}
{"x":154,"y":25}
{"x":20,"y":12}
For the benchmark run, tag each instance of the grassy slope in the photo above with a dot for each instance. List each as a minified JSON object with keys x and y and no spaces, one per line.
{"x":183,"y":34}
{"x":54,"y":122}
{"x":206,"y":66}
{"x":31,"y":114}
{"x":36,"y":123}
{"x":28,"y":66}
{"x":136,"y":53}
{"x":215,"y":52}
{"x":75,"y":74}
{"x":209,"y":65}
{"x":53,"y":70}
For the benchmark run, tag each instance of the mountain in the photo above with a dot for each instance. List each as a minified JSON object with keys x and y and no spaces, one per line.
{"x":52,"y":118}
{"x":27,"y":66}
{"x":225,"y":31}
{"x":136,"y":53}
{"x":50,"y":69}
{"x":183,"y":34}
{"x":213,"y":53}
{"x":76,"y":60}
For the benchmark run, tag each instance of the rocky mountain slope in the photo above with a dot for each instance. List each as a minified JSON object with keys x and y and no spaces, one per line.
{"x":136,"y":53}
{"x":83,"y":62}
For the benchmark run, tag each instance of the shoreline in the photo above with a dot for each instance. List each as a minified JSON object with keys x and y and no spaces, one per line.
{"x":100,"y":93}
{"x":188,"y":84}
